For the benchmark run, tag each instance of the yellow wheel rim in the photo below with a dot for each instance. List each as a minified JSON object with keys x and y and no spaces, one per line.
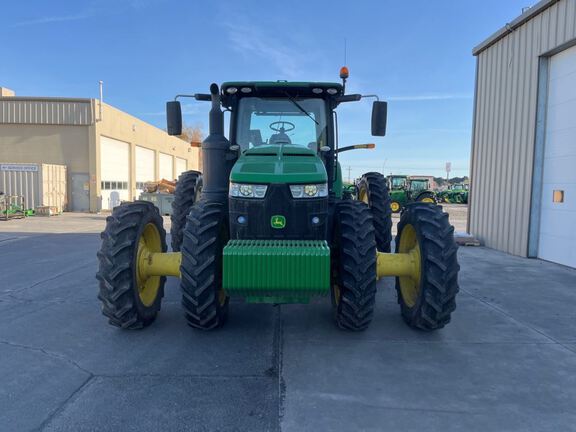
{"x":395,"y":206}
{"x":428,"y":200}
{"x":410,"y":285}
{"x":363,"y":195}
{"x":149,"y":242}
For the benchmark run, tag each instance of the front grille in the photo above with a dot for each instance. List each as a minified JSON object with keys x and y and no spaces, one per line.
{"x":278,"y":201}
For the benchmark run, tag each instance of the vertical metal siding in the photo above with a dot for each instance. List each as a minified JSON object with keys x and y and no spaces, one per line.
{"x":504,"y":127}
{"x":14,"y":110}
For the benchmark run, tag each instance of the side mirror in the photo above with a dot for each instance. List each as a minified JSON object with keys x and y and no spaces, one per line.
{"x":174,"y":118}
{"x":379,"y":116}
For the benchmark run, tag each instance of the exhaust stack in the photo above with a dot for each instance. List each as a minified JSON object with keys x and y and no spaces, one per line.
{"x":216,"y":160}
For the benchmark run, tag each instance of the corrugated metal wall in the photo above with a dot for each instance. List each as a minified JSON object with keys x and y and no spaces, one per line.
{"x":39,"y":184}
{"x":504,"y":127}
{"x":14,"y":110}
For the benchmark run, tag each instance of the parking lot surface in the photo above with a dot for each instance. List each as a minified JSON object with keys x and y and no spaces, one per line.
{"x":506,"y":362}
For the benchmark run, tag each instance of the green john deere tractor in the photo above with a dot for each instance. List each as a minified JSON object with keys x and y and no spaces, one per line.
{"x":405,"y":190}
{"x":455,"y":194}
{"x":270,"y":225}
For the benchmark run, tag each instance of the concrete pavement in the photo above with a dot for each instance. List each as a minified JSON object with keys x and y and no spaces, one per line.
{"x":507,"y":362}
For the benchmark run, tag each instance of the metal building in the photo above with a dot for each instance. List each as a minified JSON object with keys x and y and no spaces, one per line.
{"x":109,"y":154}
{"x":523,"y":195}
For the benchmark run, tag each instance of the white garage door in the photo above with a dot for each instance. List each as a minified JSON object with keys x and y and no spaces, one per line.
{"x":181,"y":165}
{"x":145,"y":164}
{"x":166,"y":168}
{"x":114,"y":171}
{"x":558,"y":217}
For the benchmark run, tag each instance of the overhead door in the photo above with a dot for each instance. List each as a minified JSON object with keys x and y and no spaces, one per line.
{"x":181,"y":165}
{"x":114,"y":172}
{"x":166,"y":167}
{"x":145,"y":165}
{"x":558,"y":209}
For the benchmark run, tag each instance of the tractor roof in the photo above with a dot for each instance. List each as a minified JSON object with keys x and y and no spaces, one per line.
{"x":279,"y":88}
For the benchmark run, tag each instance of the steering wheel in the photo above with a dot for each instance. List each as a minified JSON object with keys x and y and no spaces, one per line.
{"x":281,"y":127}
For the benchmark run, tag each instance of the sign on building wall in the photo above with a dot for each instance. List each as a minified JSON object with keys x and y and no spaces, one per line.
{"x":19,"y":167}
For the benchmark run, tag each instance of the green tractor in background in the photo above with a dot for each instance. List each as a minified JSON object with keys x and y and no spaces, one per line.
{"x":271,"y":224}
{"x":349,"y":191}
{"x":405,"y":190}
{"x":455,"y":194}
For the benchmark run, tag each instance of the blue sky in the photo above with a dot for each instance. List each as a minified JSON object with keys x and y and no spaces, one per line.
{"x":415,"y":54}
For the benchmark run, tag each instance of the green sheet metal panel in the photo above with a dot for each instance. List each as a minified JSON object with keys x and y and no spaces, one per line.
{"x":263,"y":268}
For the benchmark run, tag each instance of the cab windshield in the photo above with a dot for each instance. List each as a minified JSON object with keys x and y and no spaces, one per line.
{"x":273,"y":121}
{"x":398,"y":182}
{"x":417,"y":185}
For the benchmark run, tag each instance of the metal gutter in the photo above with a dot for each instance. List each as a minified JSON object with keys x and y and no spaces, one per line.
{"x":510,"y":27}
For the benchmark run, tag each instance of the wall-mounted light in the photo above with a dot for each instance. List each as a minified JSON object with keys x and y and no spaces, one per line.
{"x":558,"y":196}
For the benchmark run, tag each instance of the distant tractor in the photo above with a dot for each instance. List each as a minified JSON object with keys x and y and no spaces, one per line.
{"x":455,"y":194}
{"x":271,"y":224}
{"x":349,"y":191}
{"x":405,"y":190}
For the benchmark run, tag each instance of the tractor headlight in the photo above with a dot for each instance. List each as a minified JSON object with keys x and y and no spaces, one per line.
{"x":309,"y":191}
{"x":244,"y":190}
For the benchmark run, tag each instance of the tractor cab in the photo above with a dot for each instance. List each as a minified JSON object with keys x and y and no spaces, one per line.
{"x":398,"y":182}
{"x":417,"y":185}
{"x":278,"y":113}
{"x":459,"y":187}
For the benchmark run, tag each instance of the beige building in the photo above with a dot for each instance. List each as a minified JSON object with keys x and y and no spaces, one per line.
{"x":108,"y":153}
{"x":523,"y":195}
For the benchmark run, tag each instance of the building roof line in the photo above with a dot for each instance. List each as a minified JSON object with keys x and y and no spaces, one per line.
{"x":44,"y":99}
{"x":511,"y":26}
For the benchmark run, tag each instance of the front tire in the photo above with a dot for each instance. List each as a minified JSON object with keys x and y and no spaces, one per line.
{"x":353,"y":266}
{"x":128,"y":301}
{"x":428,"y":300}
{"x":188,"y":190}
{"x":205,"y":235}
{"x":373,"y":190}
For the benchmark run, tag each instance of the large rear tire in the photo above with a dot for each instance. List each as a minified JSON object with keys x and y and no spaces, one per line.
{"x":428,"y":300}
{"x":373,"y":190}
{"x":188,"y":190}
{"x":128,"y":301}
{"x":205,"y":235}
{"x":353,"y":266}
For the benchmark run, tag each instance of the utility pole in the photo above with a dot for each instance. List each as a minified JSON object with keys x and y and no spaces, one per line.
{"x":349,"y":169}
{"x":448,"y":169}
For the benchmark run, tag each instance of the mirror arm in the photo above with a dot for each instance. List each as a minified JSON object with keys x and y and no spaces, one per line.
{"x":356,"y":146}
{"x":371,"y":96}
{"x":198,"y":96}
{"x":348,"y":98}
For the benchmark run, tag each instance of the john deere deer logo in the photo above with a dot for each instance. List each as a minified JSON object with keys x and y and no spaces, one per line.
{"x":278,"y":221}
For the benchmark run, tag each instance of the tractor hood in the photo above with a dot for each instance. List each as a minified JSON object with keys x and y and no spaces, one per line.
{"x":279,"y":164}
